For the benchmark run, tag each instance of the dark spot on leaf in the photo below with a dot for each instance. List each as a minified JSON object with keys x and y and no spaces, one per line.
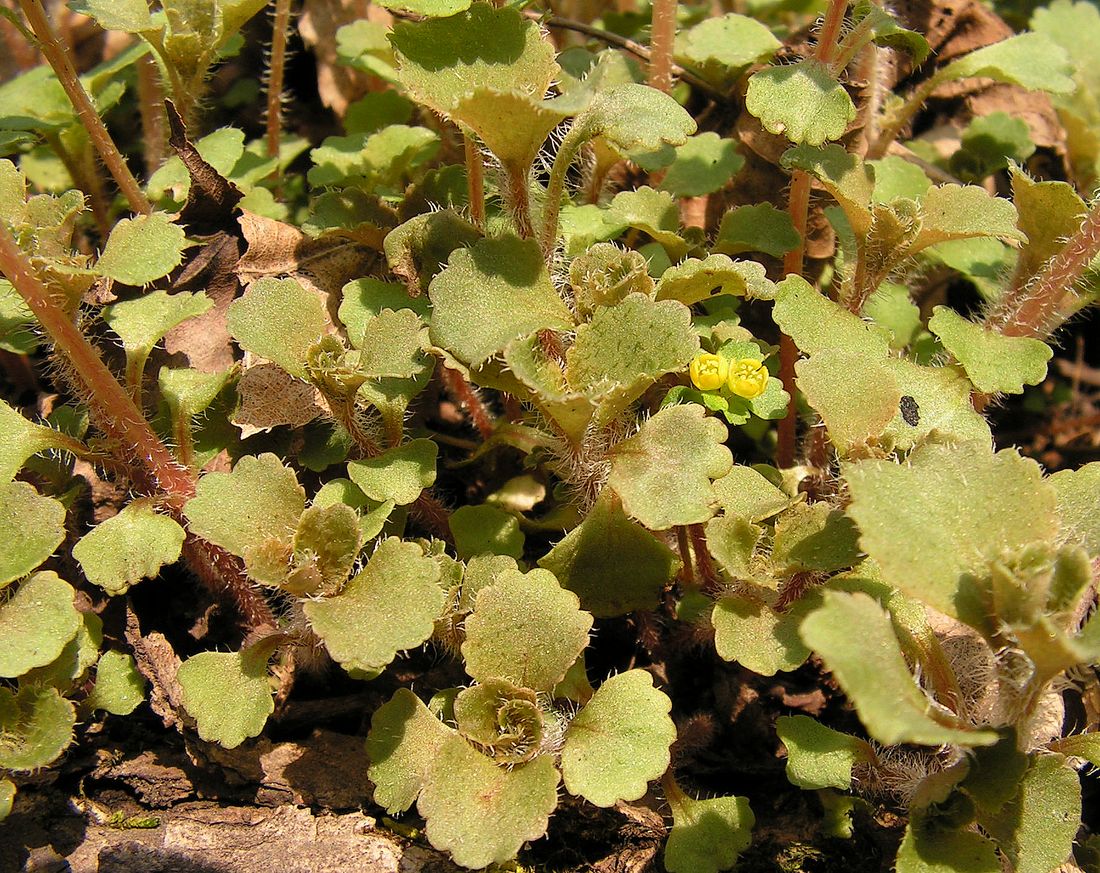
{"x":910,"y":411}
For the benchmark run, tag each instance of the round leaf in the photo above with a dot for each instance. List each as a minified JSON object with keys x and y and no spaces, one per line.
{"x":619,"y":741}
{"x":31,"y":527}
{"x":228,"y":695}
{"x":36,"y":726}
{"x":525,"y":628}
{"x":36,"y":623}
{"x":399,"y":474}
{"x":119,"y":687}
{"x":142,"y":249}
{"x":129,"y":547}
{"x":800,"y":101}
{"x":279,"y":320}
{"x":707,"y":835}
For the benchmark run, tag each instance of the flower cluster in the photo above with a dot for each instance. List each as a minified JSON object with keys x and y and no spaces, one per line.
{"x":745,"y":377}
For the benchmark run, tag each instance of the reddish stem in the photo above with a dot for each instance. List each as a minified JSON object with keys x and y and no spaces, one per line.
{"x":709,"y":579}
{"x":467,"y":397}
{"x":662,"y":36}
{"x":57,"y":53}
{"x":276,"y":72}
{"x":154,"y":129}
{"x":793,"y":262}
{"x":115,"y":412}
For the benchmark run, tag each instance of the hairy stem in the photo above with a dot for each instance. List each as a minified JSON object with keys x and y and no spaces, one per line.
{"x":154,"y":129}
{"x":85,"y":175}
{"x":57,"y":53}
{"x":467,"y":397}
{"x":709,"y":580}
{"x":475,"y":180}
{"x":793,"y":262}
{"x":275,"y":76}
{"x":662,"y":35}
{"x":1035,"y":309}
{"x":898,"y":121}
{"x":113,"y":409}
{"x":555,"y":187}
{"x":517,"y":193}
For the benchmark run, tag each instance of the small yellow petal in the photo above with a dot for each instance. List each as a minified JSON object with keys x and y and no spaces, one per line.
{"x":748,"y":378}
{"x":708,"y":372}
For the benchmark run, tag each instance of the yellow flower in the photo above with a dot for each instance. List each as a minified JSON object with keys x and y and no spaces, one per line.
{"x":748,"y":378}
{"x":708,"y":372}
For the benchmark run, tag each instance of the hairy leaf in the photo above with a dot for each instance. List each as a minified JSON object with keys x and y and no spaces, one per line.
{"x":664,"y":473}
{"x":209,"y":680}
{"x":129,"y":547}
{"x":403,"y":742}
{"x":142,"y":249}
{"x":1076,"y":491}
{"x":22,"y":439}
{"x":36,"y":623}
{"x":484,"y":529}
{"x":525,"y":628}
{"x":481,"y":813}
{"x":1030,"y":60}
{"x":610,"y":562}
{"x":855,"y":639}
{"x":817,"y":756}
{"x":390,"y":605}
{"x":704,"y":164}
{"x":399,"y":474}
{"x":279,"y":320}
{"x":119,"y":687}
{"x":695,"y":280}
{"x":855,"y":397}
{"x":756,"y":228}
{"x":722,"y":48}
{"x":490,"y":294}
{"x":619,"y":741}
{"x":994,"y":363}
{"x":756,"y":636}
{"x":31,"y":527}
{"x":707,"y":835}
{"x":636,"y":118}
{"x":801,"y":101}
{"x":36,"y":726}
{"x":746,"y":493}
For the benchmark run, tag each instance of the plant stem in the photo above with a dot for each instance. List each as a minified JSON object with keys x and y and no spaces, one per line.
{"x":1035,"y":309}
{"x":151,"y":105}
{"x":113,"y":409}
{"x":58,"y":56}
{"x":475,"y":180}
{"x":687,"y":567}
{"x":85,"y":175}
{"x":709,"y":580}
{"x":662,"y":35}
{"x":555,"y":187}
{"x":467,"y":397}
{"x":518,"y":197}
{"x":793,"y":262}
{"x":901,"y":118}
{"x":275,"y":76}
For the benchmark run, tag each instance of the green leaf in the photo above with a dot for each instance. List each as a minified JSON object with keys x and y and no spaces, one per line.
{"x":372,"y":160}
{"x":36,"y":726}
{"x":696,"y":280}
{"x":759,"y":228}
{"x":7,"y":797}
{"x":481,"y":813}
{"x":856,"y":640}
{"x":1037,"y":827}
{"x":1049,"y":213}
{"x":887,"y":32}
{"x":745,"y":492}
{"x":856,"y":397}
{"x":525,"y":628}
{"x":143,"y":322}
{"x":142,"y":249}
{"x":480,"y":530}
{"x":363,"y":45}
{"x":950,"y":212}
{"x":991,"y":143}
{"x":1030,"y":60}
{"x":365,"y":299}
{"x":75,"y":660}
{"x":389,"y":606}
{"x":490,"y":294}
{"x":896,"y":177}
{"x":279,"y":320}
{"x":17,"y":334}
{"x":994,"y":772}
{"x":940,"y":399}
{"x":625,"y":348}
{"x":326,"y":544}
{"x":704,"y":164}
{"x":844,"y":175}
{"x":707,"y":835}
{"x":605,"y":275}
{"x":227,"y":693}
{"x":801,"y":101}
{"x":502,"y":719}
{"x":611,"y":563}
{"x":816,"y":323}
{"x":755,"y":636}
{"x":940,"y":850}
{"x":654,"y":212}
{"x":636,"y":118}
{"x":399,"y":474}
{"x":619,"y":741}
{"x":129,"y":547}
{"x":442,"y":60}
{"x":119,"y":687}
{"x":731,"y":541}
{"x":513,"y":124}
{"x":31,"y":527}
{"x":916,"y":520}
{"x":664,"y":473}
{"x":392,"y":346}
{"x":36,"y":623}
{"x":722,"y":48}
{"x":817,"y":756}
{"x":403,"y":742}
{"x":129,"y":16}
{"x":418,"y":249}
{"x":892,"y":309}
{"x":994,"y":363}
{"x":427,"y":8}
{"x":259,"y":500}
{"x":22,"y":439}
{"x":1076,"y":491}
